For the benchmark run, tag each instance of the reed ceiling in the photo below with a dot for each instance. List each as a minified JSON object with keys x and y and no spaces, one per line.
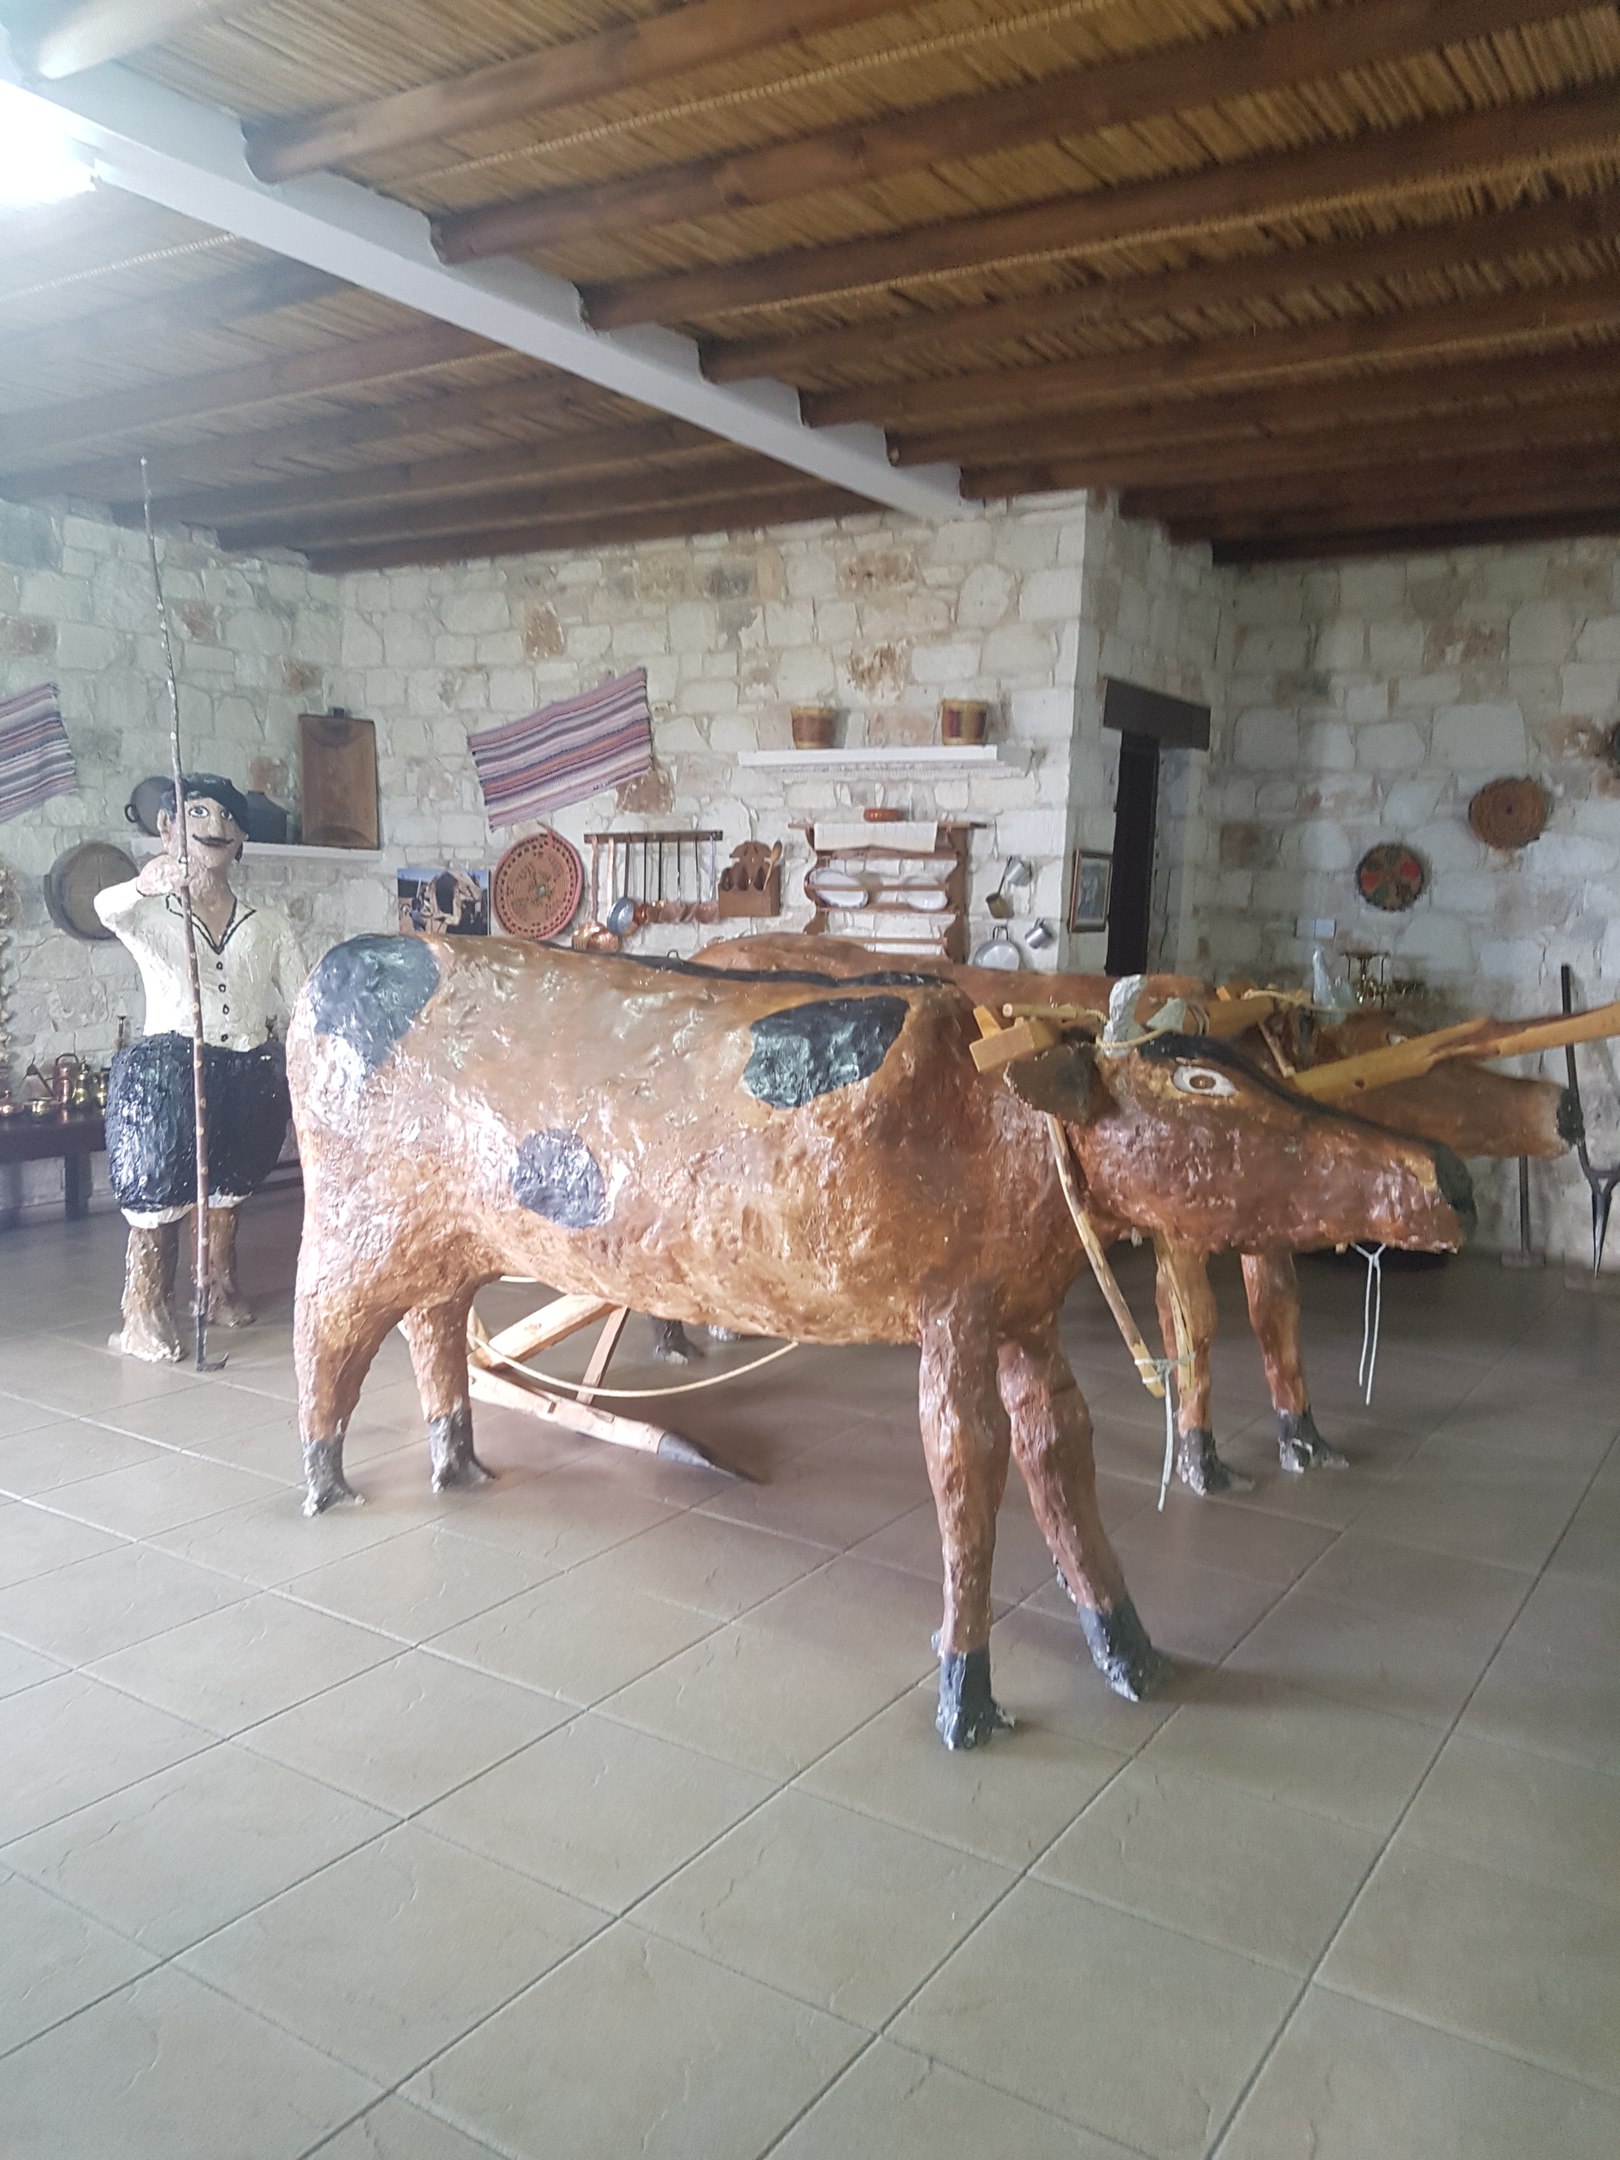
{"x":1267,"y":267}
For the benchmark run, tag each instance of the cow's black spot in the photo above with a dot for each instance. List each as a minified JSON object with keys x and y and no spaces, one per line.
{"x":810,"y":1050}
{"x":369,"y":990}
{"x":557,"y":1176}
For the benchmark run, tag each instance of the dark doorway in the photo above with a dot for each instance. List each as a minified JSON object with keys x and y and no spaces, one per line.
{"x":1130,"y":904}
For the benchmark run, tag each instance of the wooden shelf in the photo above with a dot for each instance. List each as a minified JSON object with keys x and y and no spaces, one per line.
{"x":929,"y":757}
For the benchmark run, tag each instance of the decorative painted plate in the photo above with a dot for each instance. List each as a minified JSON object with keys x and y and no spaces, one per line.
{"x":538,"y":882}
{"x":1391,"y":876}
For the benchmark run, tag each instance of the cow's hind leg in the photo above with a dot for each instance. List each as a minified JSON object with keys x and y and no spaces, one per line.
{"x":437,"y":1335}
{"x":1183,"y":1283}
{"x":1051,"y":1437}
{"x":336,"y":1334}
{"x":966,"y":1439}
{"x":1273,"y":1293}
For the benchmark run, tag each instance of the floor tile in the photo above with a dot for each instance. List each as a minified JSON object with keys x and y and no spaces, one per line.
{"x":1440,"y":1588}
{"x":1022,"y":1561}
{"x":60,"y":1450}
{"x":1590,"y":1547}
{"x":693,"y":2060}
{"x":1270,"y":1548}
{"x":1349,"y":2082}
{"x":418,"y":1584}
{"x":581,"y":1635}
{"x":150,"y":1496}
{"x":246,"y":1663}
{"x":386,"y":1957}
{"x":1511,"y":1523}
{"x":1190,"y":1611}
{"x":840,"y":1910}
{"x":165,"y":2067}
{"x":904,"y":2107}
{"x":1515,"y":1965}
{"x":403,"y":1734}
{"x":393,"y":2130}
{"x":20,"y":1668}
{"x":272,"y":1542}
{"x":1531,"y":1816}
{"x":1339,"y":1759}
{"x":35,"y":1541}
{"x":877,"y":1617}
{"x":1170,"y":2028}
{"x":1005,"y":1802}
{"x":56,"y":1961}
{"x":17,"y":1416}
{"x":821,"y":1501}
{"x":1230,"y":1867}
{"x":1386,"y":1660}
{"x":760,"y":1700}
{"x":566,"y":1516}
{"x":716,"y":1566}
{"x":1553,"y":1702}
{"x":597,"y":1810}
{"x":119,"y":1596}
{"x":189,"y":1848}
{"x":71,"y":1741}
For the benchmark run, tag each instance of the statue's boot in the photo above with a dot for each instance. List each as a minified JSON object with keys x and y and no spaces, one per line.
{"x":149,"y":1274}
{"x":225,"y":1303}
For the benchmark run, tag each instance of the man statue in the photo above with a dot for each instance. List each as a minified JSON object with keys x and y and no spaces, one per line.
{"x":248,"y":966}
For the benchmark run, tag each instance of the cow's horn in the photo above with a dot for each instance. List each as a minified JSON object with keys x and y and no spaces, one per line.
{"x":1121,"y":1026}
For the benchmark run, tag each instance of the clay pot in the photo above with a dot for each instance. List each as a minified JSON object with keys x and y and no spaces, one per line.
{"x":963,"y":720}
{"x":814,"y":726}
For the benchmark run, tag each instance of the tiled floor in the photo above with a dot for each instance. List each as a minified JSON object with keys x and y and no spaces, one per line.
{"x":600,"y":1812}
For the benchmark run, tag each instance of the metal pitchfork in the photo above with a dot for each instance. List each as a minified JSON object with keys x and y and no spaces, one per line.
{"x":1602,"y":1182}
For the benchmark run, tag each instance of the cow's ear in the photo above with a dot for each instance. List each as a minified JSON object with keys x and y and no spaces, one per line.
{"x":1061,"y":1081}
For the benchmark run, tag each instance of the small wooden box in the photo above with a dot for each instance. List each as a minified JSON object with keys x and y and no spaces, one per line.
{"x":338,"y":780}
{"x":751,"y":883}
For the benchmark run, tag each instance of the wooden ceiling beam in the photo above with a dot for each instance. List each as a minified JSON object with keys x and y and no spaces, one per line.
{"x":1280,"y":458}
{"x":1513,"y":473}
{"x":514,"y":465}
{"x":1196,"y":73}
{"x":1438,"y":382}
{"x":1512,"y":138}
{"x":1499,"y":495}
{"x":97,"y":30}
{"x":794,"y":506}
{"x":625,"y":58}
{"x":227,"y":460}
{"x":731,"y":475}
{"x":181,"y":312}
{"x":1414,"y":251}
{"x":26,"y":436}
{"x":1543,"y":314}
{"x":1417,"y":539}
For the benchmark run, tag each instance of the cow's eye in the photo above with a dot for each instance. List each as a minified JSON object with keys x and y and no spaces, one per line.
{"x":1200,"y":1080}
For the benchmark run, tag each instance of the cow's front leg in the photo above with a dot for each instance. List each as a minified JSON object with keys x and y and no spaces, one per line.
{"x":1272,"y":1289}
{"x":966,"y":1438}
{"x":1183,"y":1282}
{"x":337,"y":1331}
{"x":437,"y":1335}
{"x":1051,"y":1437}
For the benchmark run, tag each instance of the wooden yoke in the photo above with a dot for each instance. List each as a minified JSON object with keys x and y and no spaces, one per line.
{"x":1481,"y":1038}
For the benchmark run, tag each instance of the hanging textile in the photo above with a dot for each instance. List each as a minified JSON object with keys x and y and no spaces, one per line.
{"x":36,"y":761}
{"x":566,"y":751}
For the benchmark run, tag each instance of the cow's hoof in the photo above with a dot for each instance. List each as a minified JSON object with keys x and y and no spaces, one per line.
{"x":1300,"y":1447}
{"x":968,"y":1716}
{"x":672,"y":1345}
{"x":1201,"y":1469}
{"x":1121,"y":1652}
{"x":151,"y":1338}
{"x":324,"y":1482}
{"x":450,"y":1445}
{"x":229,"y":1311}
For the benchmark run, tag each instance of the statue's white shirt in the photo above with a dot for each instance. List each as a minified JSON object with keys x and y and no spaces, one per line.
{"x":248,"y":979}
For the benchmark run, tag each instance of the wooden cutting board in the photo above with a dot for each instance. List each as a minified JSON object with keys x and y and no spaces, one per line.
{"x":338,"y":780}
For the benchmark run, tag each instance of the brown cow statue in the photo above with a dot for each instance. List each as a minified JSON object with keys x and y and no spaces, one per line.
{"x":785,"y":1157}
{"x":1472,"y":1110}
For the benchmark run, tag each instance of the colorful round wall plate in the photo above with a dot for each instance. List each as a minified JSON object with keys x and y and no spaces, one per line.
{"x":1391,"y":876}
{"x":537,"y":886}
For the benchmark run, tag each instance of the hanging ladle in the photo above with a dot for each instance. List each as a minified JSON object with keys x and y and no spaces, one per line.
{"x":1017,"y":873}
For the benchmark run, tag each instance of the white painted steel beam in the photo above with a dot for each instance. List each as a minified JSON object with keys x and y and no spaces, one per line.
{"x":150,"y":141}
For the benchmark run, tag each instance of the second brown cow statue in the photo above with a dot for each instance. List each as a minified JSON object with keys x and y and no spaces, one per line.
{"x":795,"y":1158}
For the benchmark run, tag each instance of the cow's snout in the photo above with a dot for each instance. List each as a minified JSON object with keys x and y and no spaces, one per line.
{"x":1456,"y":1187}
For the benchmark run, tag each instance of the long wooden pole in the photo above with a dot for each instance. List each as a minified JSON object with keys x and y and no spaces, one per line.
{"x":199,"y":1093}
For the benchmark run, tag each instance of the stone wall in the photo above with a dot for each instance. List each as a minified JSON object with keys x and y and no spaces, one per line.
{"x":1368,"y":702}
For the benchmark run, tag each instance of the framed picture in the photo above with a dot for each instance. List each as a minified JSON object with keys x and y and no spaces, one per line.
{"x":444,"y":903}
{"x":1089,"y":884}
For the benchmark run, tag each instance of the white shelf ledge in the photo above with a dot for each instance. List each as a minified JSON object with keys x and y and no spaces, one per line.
{"x":285,"y":851}
{"x":928,"y":757}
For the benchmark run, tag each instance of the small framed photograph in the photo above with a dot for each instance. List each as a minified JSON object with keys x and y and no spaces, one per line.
{"x":444,"y":903}
{"x":1089,"y":884}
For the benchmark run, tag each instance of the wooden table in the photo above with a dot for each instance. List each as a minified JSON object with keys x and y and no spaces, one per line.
{"x":72,"y":1136}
